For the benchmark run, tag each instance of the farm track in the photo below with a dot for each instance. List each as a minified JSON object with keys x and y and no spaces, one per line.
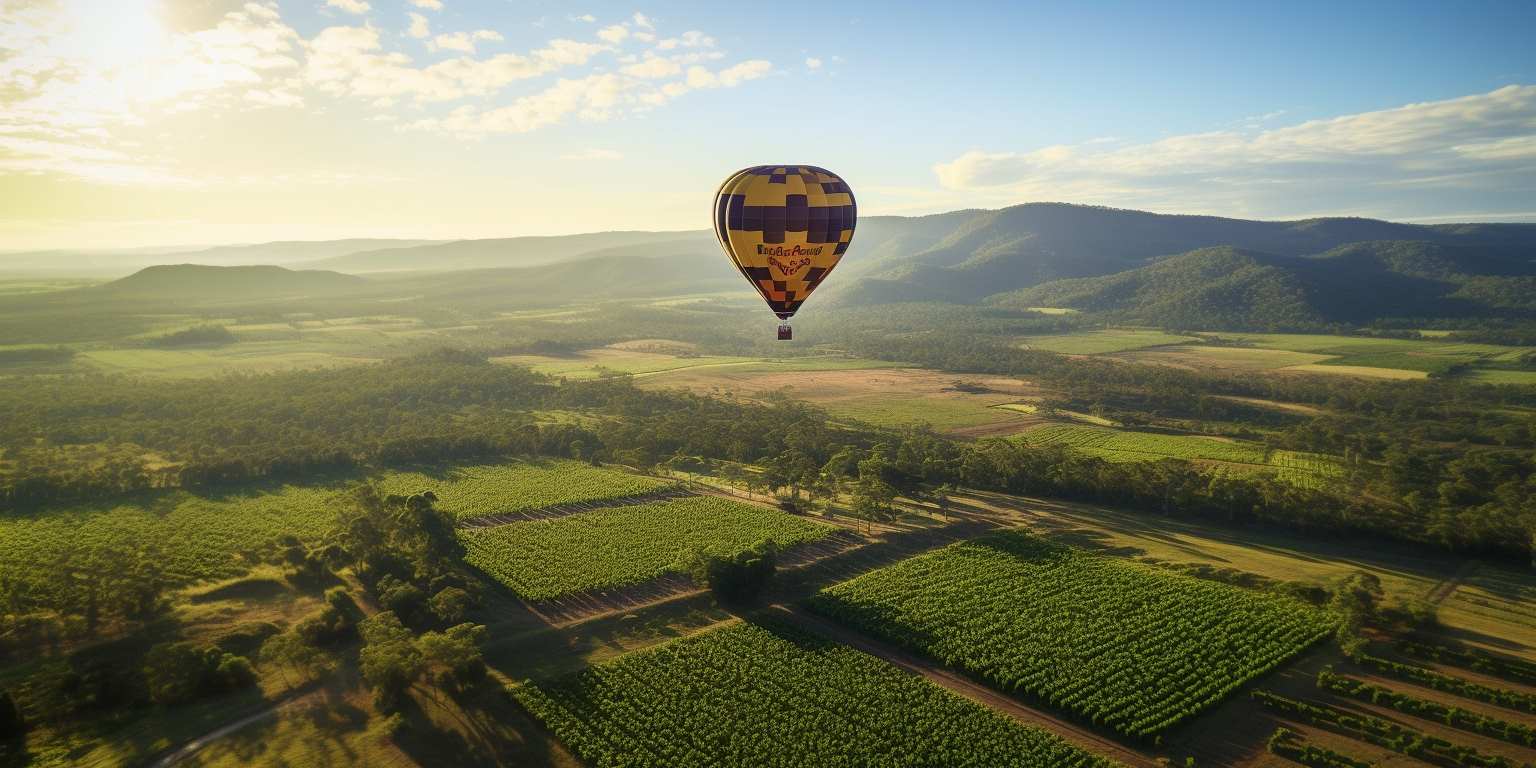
{"x":1075,"y":733}
{"x":190,"y":748}
{"x":563,"y":510}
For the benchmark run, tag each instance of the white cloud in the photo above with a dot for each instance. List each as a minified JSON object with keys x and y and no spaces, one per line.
{"x":699,"y":77}
{"x":654,"y":67}
{"x":585,"y":17}
{"x":613,"y":34}
{"x":594,"y":154}
{"x":811,"y":62}
{"x":431,"y":5}
{"x":594,"y":98}
{"x":351,"y":61}
{"x":420,"y":28}
{"x":642,"y":21}
{"x":350,"y":6}
{"x":464,"y":42}
{"x":1482,"y":141}
{"x":690,"y":39}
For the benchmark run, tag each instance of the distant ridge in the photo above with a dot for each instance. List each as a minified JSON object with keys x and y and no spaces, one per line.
{"x":198,"y":282}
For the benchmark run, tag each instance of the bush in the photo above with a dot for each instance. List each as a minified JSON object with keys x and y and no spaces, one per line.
{"x":738,"y":579}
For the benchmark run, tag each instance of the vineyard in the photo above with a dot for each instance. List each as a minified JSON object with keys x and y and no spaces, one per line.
{"x":756,"y":695}
{"x":619,"y":546}
{"x":490,"y":489}
{"x":1123,"y":645}
{"x":190,"y":537}
{"x":1298,"y":467}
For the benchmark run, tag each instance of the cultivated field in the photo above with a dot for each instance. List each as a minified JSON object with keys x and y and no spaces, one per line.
{"x":1102,"y":342}
{"x":620,"y":546}
{"x":757,"y":695}
{"x":1134,"y":648}
{"x":518,"y":486}
{"x":885,"y":396}
{"x":1305,"y":469}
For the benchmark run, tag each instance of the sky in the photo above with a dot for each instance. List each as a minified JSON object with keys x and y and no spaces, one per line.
{"x":130,"y":123}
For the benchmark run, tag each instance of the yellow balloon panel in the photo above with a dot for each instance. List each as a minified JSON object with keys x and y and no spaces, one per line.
{"x":786,"y":228}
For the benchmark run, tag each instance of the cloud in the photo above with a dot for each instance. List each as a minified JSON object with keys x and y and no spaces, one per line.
{"x":654,"y":67}
{"x":350,"y":6}
{"x":70,"y":82}
{"x":464,"y":42}
{"x":350,"y":61}
{"x":594,"y":154}
{"x":420,"y":28}
{"x":613,"y":34}
{"x":585,"y":17}
{"x":431,"y":5}
{"x":690,"y":39}
{"x":595,"y":98}
{"x":812,"y":63}
{"x":1473,"y":142}
{"x":70,"y":108}
{"x":699,"y":77}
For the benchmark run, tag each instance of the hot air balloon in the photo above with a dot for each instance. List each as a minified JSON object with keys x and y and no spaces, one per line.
{"x":785,"y":227}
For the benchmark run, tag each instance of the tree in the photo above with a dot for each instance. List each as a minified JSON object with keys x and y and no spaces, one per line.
{"x":872,"y":501}
{"x":173,"y":672}
{"x":12,"y":724}
{"x":289,"y":652}
{"x":389,"y":659}
{"x":335,"y":623}
{"x":738,"y":579}
{"x":450,"y":604}
{"x":453,"y":657}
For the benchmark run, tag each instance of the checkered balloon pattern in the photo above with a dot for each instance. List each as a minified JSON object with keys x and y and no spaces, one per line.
{"x":785,"y":227}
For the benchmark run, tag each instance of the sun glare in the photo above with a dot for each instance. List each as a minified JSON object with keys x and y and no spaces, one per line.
{"x":114,"y":33}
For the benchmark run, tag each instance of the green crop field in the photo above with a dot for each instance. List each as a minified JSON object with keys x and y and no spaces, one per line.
{"x":489,"y":489}
{"x":1115,"y":445}
{"x":1102,"y":342}
{"x":1129,"y":646}
{"x":619,"y":546}
{"x":191,"y":537}
{"x":1304,"y":469}
{"x":759,"y":695}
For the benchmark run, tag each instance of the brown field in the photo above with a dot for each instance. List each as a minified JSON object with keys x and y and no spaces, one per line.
{"x":885,"y":396}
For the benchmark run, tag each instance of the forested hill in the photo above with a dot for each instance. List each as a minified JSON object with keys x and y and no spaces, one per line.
{"x":991,"y":252}
{"x":1239,"y":289}
{"x":195,"y":282}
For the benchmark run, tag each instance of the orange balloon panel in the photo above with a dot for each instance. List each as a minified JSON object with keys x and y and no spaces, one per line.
{"x":785,"y":227}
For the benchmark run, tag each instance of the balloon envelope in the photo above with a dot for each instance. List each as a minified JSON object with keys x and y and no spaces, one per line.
{"x":785,"y":227}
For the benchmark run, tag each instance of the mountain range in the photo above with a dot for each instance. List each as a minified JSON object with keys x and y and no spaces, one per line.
{"x":1131,"y":266}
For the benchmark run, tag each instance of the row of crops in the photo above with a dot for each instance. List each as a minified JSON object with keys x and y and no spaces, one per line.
{"x":620,"y":546}
{"x":1310,"y":470}
{"x":769,"y":695}
{"x":196,"y":537}
{"x":190,"y":538}
{"x":491,"y":489}
{"x":1126,"y":646}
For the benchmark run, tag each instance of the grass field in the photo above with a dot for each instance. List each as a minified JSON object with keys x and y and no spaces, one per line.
{"x":489,"y":489}
{"x":621,"y":546}
{"x":658,"y":356}
{"x":1306,"y":469}
{"x":764,"y":694}
{"x":1495,"y":376}
{"x":1131,"y":647}
{"x":1102,"y":342}
{"x":876,"y":393}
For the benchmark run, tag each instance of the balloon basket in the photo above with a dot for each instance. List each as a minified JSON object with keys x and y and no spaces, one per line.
{"x":785,"y":334}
